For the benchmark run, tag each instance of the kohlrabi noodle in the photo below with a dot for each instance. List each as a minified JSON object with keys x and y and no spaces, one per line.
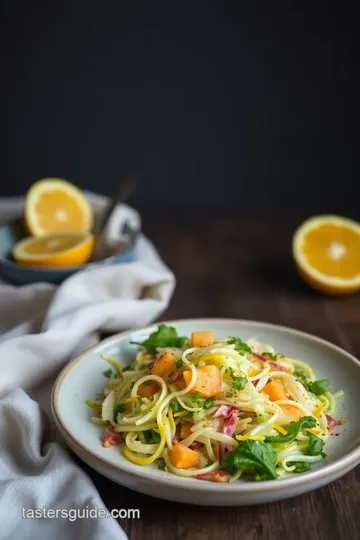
{"x":212,"y":409}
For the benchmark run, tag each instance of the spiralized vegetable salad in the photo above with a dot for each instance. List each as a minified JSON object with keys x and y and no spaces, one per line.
{"x":215,"y":409}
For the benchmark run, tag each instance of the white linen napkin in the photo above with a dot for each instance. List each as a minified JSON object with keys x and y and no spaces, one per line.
{"x":42,"y":327}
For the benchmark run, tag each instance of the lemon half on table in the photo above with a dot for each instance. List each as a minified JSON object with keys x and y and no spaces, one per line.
{"x":326,"y":250}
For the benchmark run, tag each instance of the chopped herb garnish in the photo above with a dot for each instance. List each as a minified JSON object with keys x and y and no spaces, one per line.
{"x":108,"y":373}
{"x":318,"y":387}
{"x":300,"y":466}
{"x":273,"y":356}
{"x":164,"y":336}
{"x":118,"y":409}
{"x":127,"y":368}
{"x":315,"y":445}
{"x":140,"y":400}
{"x":257,"y":458}
{"x":179,"y":364}
{"x":152,"y":437}
{"x":175,"y":406}
{"x":240,"y":345}
{"x":197,"y":399}
{"x":209,"y":403}
{"x":161,"y":464}
{"x":300,"y":376}
{"x":239,"y":383}
{"x":229,"y":394}
{"x":293,"y":429}
{"x":156,"y":438}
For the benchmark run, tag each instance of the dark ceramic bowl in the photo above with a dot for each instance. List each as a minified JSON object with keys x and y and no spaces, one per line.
{"x":15,"y":273}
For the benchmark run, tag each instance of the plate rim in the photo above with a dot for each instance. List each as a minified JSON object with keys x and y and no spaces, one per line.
{"x":333,"y":470}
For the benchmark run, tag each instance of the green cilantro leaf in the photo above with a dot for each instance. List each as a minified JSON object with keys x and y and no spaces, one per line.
{"x":273,"y":356}
{"x":240,"y":345}
{"x":316,"y":445}
{"x":118,"y":409}
{"x":164,"y":336}
{"x":156,"y":438}
{"x":175,"y":406}
{"x":300,"y":466}
{"x":152,"y":437}
{"x":161,"y":464}
{"x":229,"y":394}
{"x":239,"y":383}
{"x":318,"y":387}
{"x":293,"y":429}
{"x":197,"y":399}
{"x":209,"y":403}
{"x":301,"y":376}
{"x":108,"y":373}
{"x":140,"y":400}
{"x":179,"y":364}
{"x":258,"y":458}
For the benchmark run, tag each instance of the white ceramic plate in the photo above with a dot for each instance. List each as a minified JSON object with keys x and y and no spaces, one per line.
{"x":83,"y":378}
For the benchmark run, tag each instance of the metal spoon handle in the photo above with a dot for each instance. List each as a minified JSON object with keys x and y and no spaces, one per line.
{"x":122,"y":193}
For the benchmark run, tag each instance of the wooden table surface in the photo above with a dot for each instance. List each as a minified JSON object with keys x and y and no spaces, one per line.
{"x":242,"y":268}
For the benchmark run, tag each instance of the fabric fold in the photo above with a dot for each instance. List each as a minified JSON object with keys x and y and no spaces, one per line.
{"x":42,"y":328}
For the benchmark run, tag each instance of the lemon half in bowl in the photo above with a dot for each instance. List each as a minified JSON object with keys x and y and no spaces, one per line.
{"x":63,"y":250}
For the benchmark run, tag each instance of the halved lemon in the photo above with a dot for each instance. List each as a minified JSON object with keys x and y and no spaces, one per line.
{"x":54,"y":205}
{"x":326,"y":250}
{"x":64,"y":250}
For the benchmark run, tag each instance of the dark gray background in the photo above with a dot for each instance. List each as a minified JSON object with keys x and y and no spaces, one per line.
{"x":213,"y":107}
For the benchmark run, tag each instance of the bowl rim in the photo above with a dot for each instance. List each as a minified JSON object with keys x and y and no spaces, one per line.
{"x":334,"y":469}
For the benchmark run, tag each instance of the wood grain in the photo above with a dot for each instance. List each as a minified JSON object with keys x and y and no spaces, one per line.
{"x":242,"y":268}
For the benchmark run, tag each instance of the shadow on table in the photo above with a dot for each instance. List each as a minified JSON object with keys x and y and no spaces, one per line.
{"x":282,"y":275}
